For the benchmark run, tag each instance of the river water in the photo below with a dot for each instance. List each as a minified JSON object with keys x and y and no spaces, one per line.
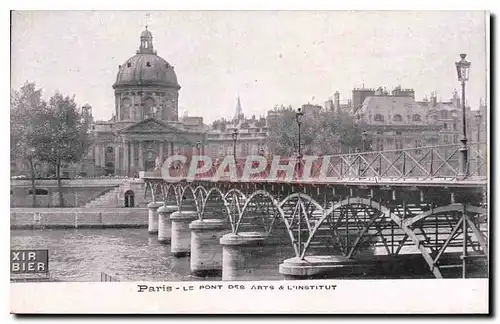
{"x":126,"y":254}
{"x":134,"y":255}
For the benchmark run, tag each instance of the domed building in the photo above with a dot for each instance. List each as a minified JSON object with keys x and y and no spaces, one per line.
{"x":145,"y":125}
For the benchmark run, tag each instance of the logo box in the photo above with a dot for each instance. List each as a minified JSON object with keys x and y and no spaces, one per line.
{"x":29,"y":261}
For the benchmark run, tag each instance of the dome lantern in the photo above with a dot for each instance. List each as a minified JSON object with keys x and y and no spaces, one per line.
{"x":146,"y":42}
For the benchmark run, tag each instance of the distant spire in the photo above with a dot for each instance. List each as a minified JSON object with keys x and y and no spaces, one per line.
{"x":239,"y":111}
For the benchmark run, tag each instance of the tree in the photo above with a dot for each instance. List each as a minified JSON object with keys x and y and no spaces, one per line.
{"x":323,"y":133}
{"x":25,"y":108}
{"x":62,"y":135}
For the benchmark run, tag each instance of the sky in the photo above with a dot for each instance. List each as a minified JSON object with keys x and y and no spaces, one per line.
{"x":268,"y":58}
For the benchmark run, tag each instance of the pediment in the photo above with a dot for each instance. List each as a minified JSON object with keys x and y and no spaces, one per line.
{"x":151,"y":126}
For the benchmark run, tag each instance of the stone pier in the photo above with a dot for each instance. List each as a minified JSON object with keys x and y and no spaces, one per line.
{"x":181,"y":233}
{"x":165,"y":224}
{"x":153,"y":217}
{"x":206,"y":256}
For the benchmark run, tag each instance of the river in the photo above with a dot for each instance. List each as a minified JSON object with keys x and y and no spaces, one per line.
{"x":134,"y":255}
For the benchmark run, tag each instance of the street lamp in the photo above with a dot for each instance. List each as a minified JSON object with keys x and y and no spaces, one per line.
{"x":463,"y":76}
{"x":198,"y":145}
{"x":298,"y":117}
{"x":478,"y":118}
{"x":363,"y":140}
{"x":235,"y":137}
{"x":31,"y":155}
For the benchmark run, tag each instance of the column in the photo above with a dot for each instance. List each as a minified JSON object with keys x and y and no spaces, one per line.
{"x":172,"y":148}
{"x":117,"y":159}
{"x":97,"y":155}
{"x":160,"y":151}
{"x":132,"y":155}
{"x":125,"y":168}
{"x":103,"y":155}
{"x":141,"y":158}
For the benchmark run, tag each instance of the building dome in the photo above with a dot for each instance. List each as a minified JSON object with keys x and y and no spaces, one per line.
{"x":146,"y":68}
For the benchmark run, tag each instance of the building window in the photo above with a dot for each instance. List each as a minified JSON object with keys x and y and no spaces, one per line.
{"x":445,"y":139}
{"x":148,"y":64}
{"x":379,"y":117}
{"x":418,"y":144}
{"x":109,"y":149}
{"x":443,"y":114}
{"x":398,"y":133}
{"x":445,"y":126}
{"x":416,"y":117}
{"x":397,"y":118}
{"x":380,"y":145}
{"x":399,"y":145}
{"x":454,"y":126}
{"x":129,"y":64}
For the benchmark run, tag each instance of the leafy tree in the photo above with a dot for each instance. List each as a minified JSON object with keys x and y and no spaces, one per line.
{"x":321,"y":134}
{"x":62,"y":135}
{"x":25,"y":108}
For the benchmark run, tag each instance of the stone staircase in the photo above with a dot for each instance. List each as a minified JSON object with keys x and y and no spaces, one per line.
{"x":107,"y":199}
{"x":116,"y":197}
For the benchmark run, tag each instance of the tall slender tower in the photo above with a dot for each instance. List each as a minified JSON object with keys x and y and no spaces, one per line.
{"x":238,"y":115}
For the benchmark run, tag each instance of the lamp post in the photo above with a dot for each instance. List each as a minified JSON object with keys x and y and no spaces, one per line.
{"x":31,"y":156}
{"x":463,"y":76}
{"x":363,"y":140}
{"x":298,"y":117}
{"x":235,"y":137}
{"x":198,"y":145}
{"x":478,"y":118}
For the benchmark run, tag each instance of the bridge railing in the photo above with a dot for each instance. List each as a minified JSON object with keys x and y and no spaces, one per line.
{"x":420,"y":163}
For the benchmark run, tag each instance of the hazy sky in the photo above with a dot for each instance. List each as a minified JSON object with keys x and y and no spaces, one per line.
{"x":267,"y":57}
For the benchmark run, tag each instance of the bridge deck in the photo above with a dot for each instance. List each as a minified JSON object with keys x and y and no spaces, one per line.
{"x":407,"y":182}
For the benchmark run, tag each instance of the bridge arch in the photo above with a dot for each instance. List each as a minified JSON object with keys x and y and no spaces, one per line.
{"x":266,"y":218}
{"x":386,"y":213}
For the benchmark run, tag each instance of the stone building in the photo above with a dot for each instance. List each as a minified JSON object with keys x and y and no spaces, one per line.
{"x":395,"y":121}
{"x":251,"y":139}
{"x":145,"y":127}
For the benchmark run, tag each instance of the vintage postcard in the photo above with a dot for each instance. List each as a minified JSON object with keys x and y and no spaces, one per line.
{"x":167,"y":162}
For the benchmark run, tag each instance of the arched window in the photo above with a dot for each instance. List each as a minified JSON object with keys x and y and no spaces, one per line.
{"x":397,"y":118}
{"x":415,"y":117}
{"x":379,"y":117}
{"x":148,"y":108}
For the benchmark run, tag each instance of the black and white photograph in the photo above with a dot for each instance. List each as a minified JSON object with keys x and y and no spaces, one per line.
{"x":262,"y":152}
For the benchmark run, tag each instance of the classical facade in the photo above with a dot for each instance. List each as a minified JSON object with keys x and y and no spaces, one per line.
{"x":145,"y":127}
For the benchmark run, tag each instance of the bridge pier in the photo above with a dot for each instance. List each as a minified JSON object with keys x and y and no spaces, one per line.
{"x":181,"y":234}
{"x":237,"y":252}
{"x":165,"y":224}
{"x":206,"y":258}
{"x":320,"y":266}
{"x":153,"y":217}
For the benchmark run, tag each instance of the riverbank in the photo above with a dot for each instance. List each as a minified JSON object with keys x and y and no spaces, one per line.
{"x":29,"y":218}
